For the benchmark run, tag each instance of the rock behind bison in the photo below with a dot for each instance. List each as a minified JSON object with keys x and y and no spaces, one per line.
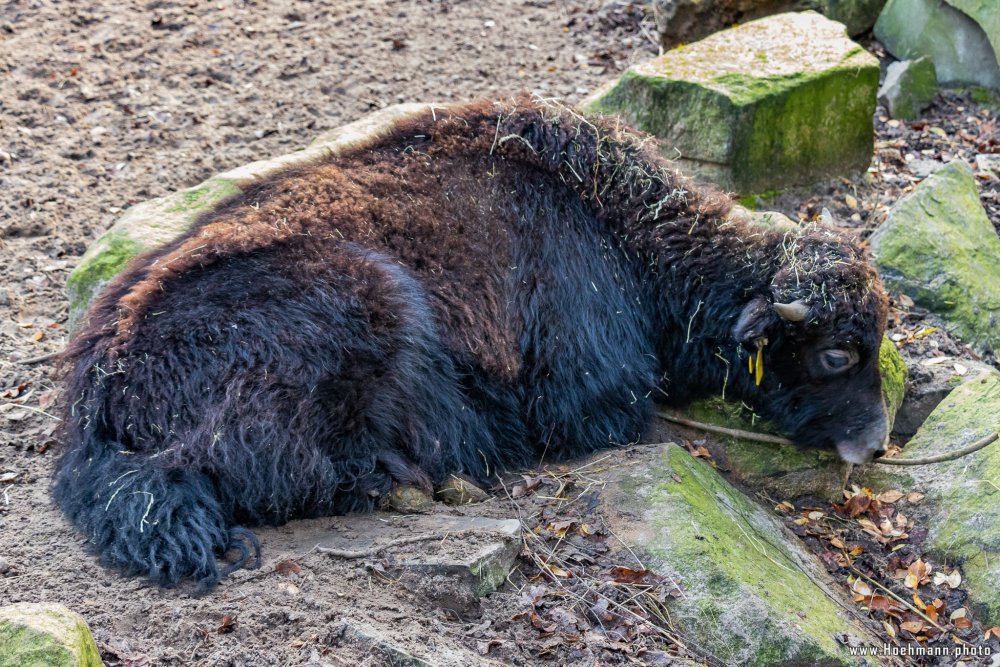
{"x":487,"y":285}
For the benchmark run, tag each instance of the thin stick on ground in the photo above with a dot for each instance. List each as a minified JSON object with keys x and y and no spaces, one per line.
{"x":958,"y":453}
{"x":403,"y":541}
{"x":30,"y":361}
{"x":778,"y":440}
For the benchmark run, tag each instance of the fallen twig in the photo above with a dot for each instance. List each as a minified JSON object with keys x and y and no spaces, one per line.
{"x":365,"y":553}
{"x":958,"y":453}
{"x":735,"y":432}
{"x":778,"y":440}
{"x":30,"y":361}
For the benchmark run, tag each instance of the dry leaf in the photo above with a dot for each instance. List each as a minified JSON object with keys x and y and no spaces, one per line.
{"x":914,"y":497}
{"x":889,"y":496}
{"x":287,"y":567}
{"x":860,"y":588}
{"x":624,"y":575}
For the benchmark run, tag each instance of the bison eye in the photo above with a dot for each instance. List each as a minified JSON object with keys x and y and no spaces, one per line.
{"x":836,"y":361}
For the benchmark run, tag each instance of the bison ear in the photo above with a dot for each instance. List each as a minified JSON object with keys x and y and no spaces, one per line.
{"x":758,"y":320}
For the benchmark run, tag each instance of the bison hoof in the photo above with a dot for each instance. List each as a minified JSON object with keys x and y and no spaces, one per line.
{"x":460,"y":491}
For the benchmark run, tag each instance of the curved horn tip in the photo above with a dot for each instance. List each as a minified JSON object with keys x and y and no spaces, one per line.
{"x":795,"y":311}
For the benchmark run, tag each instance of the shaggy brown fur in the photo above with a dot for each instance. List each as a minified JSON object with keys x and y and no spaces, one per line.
{"x":489,"y":283}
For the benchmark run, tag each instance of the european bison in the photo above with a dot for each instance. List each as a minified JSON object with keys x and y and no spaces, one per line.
{"x":489,"y":284}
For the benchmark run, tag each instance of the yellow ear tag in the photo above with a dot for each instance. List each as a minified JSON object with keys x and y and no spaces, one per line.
{"x":759,"y":364}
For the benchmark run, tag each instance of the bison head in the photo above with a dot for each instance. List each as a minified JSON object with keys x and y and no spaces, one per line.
{"x":814,"y":343}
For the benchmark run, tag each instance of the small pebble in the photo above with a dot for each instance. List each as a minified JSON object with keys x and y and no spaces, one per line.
{"x":4,"y":565}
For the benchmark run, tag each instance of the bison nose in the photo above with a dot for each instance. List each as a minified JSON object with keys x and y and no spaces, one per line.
{"x":869,"y":444}
{"x":864,"y":447}
{"x":859,"y":451}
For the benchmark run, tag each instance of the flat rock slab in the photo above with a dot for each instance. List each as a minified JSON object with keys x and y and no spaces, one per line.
{"x":387,"y":650}
{"x":461,"y":560}
{"x":45,"y":635}
{"x":961,"y":506}
{"x":961,"y":37}
{"x":149,"y":225}
{"x":750,"y":592}
{"x":784,"y":100}
{"x":938,"y":247}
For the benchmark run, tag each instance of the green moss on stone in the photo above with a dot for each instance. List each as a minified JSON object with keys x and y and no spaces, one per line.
{"x":986,"y":97}
{"x":894,"y":376}
{"x":103,"y":261}
{"x":752,"y":123}
{"x":939,"y":247}
{"x":48,"y":635}
{"x":201,"y":197}
{"x":746,"y":597}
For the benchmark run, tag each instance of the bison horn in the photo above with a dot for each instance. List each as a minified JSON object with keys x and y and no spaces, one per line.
{"x":795,"y":311}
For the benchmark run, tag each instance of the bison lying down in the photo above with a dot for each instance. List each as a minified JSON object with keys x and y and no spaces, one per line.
{"x":487,"y":285}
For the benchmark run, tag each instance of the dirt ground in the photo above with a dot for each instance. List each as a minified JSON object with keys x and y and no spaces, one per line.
{"x":105,"y":104}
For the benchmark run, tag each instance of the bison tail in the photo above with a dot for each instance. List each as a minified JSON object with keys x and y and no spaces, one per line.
{"x":166,"y":524}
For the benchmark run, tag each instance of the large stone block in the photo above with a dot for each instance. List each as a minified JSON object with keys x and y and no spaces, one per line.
{"x":750,"y":592}
{"x":781,"y":101}
{"x":687,"y":20}
{"x":938,"y":247}
{"x":45,"y":635}
{"x":961,"y":37}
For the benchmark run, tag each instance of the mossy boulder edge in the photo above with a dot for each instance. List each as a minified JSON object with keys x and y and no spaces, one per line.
{"x":961,"y":506}
{"x":750,"y":593}
{"x":938,"y":247}
{"x":151,"y":224}
{"x":45,"y":634}
{"x":781,"y":101}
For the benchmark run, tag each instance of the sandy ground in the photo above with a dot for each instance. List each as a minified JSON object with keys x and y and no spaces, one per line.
{"x":105,"y":104}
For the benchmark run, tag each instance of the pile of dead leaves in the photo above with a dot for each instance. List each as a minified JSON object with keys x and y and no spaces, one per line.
{"x":577,"y":593}
{"x":872,"y":545}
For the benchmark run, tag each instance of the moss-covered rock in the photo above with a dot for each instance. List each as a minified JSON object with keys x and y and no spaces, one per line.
{"x":750,"y":592}
{"x":938,"y":247}
{"x":783,"y":470}
{"x":680,"y":21}
{"x":909,"y":87}
{"x":45,"y":635}
{"x":894,"y":376}
{"x":961,"y":507}
{"x":780,"y":101}
{"x":945,"y":32}
{"x":149,"y":225}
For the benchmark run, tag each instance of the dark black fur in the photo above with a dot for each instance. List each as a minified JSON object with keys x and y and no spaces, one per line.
{"x":489,"y":284}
